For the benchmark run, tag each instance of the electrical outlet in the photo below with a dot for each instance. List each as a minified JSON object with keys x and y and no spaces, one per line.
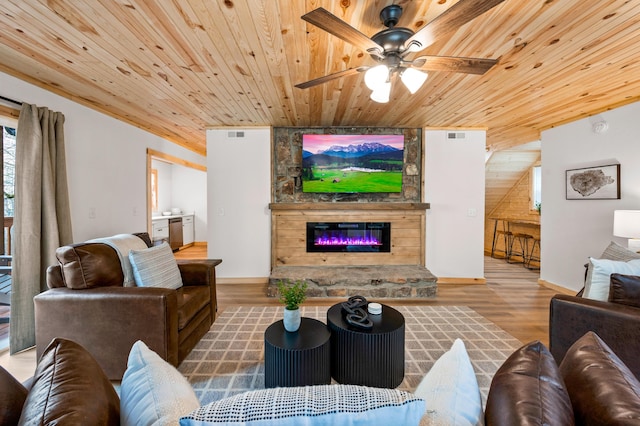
{"x":472,"y":212}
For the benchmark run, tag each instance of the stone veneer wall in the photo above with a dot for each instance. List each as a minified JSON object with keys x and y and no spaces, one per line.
{"x":388,"y":281}
{"x":287,"y":165}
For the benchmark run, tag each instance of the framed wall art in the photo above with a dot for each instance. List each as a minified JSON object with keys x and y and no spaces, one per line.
{"x":594,"y":183}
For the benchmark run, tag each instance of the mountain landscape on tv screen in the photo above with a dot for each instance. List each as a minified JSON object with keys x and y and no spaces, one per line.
{"x":346,"y":167}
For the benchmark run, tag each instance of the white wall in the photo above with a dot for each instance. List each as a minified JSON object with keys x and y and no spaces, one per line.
{"x":573,"y":230}
{"x":454,"y":186}
{"x":239,"y":193}
{"x":106,"y":163}
{"x":239,"y":180}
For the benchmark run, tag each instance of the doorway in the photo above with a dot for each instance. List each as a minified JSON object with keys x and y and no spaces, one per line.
{"x":176,"y":187}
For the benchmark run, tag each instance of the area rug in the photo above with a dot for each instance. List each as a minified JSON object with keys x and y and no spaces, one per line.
{"x":230,"y":357}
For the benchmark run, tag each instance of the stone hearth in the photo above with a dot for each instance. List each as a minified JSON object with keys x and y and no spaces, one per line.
{"x":386,"y":281}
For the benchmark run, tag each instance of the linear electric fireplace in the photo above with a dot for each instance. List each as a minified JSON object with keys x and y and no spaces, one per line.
{"x":348,"y":237}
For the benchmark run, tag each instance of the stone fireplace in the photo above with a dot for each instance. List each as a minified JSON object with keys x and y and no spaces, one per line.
{"x":346,"y":260}
{"x":349,"y":269}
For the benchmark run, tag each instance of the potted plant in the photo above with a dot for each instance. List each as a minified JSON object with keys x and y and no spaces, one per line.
{"x":292,"y":295}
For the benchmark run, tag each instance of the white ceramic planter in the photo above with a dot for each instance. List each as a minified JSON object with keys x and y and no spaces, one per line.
{"x":291,"y":319}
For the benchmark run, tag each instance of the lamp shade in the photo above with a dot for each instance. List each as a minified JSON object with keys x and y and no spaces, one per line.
{"x":626,"y":223}
{"x":376,"y":77}
{"x":382,"y":93}
{"x":413,"y":79}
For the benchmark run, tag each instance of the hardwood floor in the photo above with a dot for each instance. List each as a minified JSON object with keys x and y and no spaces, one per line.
{"x":511,"y":298}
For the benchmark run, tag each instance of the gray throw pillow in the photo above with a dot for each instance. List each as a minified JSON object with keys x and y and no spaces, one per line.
{"x":616,"y":252}
{"x":156,"y":267}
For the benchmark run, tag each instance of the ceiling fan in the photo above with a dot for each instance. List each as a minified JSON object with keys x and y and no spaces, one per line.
{"x":390,"y":47}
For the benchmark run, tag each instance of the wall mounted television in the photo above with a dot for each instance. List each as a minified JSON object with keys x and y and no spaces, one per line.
{"x":352,"y":163}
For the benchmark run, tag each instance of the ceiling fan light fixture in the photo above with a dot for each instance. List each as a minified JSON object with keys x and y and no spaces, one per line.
{"x":376,"y":77}
{"x":382,"y":93}
{"x":391,"y":46}
{"x":413,"y":79}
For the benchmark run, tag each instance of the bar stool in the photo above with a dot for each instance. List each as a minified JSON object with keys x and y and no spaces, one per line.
{"x":532,"y":256}
{"x":522,"y":253}
{"x":501,"y":234}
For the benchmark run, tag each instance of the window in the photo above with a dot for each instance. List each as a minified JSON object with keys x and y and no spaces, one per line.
{"x":9,"y":165}
{"x":536,"y":187}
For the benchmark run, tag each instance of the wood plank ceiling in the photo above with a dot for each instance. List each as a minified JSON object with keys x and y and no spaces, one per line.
{"x":176,"y":67}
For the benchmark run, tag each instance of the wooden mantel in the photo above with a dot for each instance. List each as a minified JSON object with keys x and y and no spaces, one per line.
{"x":349,"y":206}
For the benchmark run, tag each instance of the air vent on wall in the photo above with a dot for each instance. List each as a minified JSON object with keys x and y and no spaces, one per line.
{"x":235,"y":134}
{"x":452,"y":135}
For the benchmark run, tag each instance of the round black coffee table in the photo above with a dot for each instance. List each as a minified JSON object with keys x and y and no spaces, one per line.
{"x":368,"y":358}
{"x":301,"y":358}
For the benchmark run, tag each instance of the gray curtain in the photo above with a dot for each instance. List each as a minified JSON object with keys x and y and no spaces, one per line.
{"x":42,"y":216}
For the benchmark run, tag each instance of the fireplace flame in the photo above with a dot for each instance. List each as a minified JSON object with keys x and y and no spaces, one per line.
{"x":326,"y":240}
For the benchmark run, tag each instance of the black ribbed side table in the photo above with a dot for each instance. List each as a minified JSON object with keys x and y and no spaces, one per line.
{"x":301,"y":358}
{"x":369,"y":358}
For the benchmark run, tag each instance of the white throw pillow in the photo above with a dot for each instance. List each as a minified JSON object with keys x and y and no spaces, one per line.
{"x":152,"y":391}
{"x":155,"y":267}
{"x":312,"y":405}
{"x":451,"y":390}
{"x":599,"y":272}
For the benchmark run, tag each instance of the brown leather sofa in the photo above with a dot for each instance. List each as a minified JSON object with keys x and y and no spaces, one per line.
{"x":87,"y":303}
{"x":570,"y":317}
{"x":68,"y":388}
{"x":590,"y":386}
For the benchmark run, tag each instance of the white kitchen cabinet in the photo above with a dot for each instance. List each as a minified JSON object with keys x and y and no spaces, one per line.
{"x":160,"y":230}
{"x":188,"y":230}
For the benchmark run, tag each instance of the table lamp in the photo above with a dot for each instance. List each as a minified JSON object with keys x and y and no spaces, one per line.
{"x":626,"y":223}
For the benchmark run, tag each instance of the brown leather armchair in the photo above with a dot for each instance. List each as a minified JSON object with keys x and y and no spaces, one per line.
{"x":570,"y":317}
{"x":87,"y":303}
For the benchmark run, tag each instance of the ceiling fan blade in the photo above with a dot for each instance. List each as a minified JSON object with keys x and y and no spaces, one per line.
{"x":448,"y":22}
{"x":324,"y":19}
{"x":326,"y":78}
{"x":454,"y":64}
